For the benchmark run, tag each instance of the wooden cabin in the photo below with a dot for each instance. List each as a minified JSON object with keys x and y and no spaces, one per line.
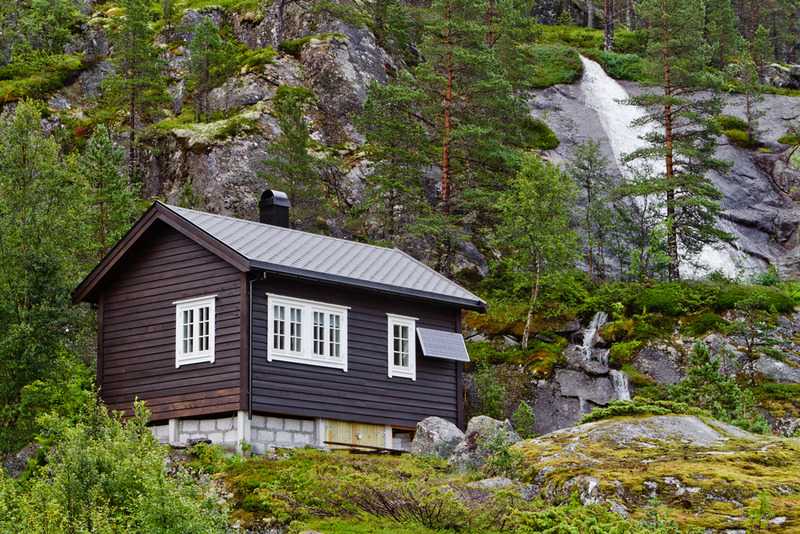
{"x":244,"y":331}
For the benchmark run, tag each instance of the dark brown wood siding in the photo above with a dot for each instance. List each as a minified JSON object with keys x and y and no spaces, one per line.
{"x":364,"y":393}
{"x":138,"y":329}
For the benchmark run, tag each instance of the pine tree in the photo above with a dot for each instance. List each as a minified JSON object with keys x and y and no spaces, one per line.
{"x":112,"y":203}
{"x":137,"y":84}
{"x":685,"y":136}
{"x":291,"y":168}
{"x":209,"y":63}
{"x":394,"y":194}
{"x":534,"y":226}
{"x":720,"y":29}
{"x":589,"y":170}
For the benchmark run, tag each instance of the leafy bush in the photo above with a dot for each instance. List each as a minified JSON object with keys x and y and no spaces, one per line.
{"x":630,"y":42}
{"x":789,"y":139}
{"x":675,"y":298}
{"x":489,"y":393}
{"x":622,"y":353}
{"x":103,"y":475}
{"x":554,"y":64}
{"x":577,"y":36}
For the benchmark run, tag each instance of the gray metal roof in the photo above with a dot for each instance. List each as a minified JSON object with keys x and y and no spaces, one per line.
{"x":318,"y":257}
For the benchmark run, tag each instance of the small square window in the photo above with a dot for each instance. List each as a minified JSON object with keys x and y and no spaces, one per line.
{"x":194,"y":327}
{"x":402,"y":346}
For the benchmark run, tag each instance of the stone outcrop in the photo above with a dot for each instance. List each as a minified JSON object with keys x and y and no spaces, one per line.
{"x":436,"y":438}
{"x":482,"y":432}
{"x":686,"y":461}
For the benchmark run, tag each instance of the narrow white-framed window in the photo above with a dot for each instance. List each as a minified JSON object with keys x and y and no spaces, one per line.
{"x":305,"y":331}
{"x":195,"y":330}
{"x":401,"y":346}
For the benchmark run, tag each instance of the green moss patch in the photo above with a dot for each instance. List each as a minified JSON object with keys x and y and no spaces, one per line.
{"x":699,"y":482}
{"x":37,"y":77}
{"x":538,"y":135}
{"x":295,"y":47}
{"x":619,"y":66}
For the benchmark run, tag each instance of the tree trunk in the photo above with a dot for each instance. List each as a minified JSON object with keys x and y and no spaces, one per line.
{"x":608,"y":18}
{"x":534,"y":297}
{"x":672,"y":236}
{"x":448,"y":100}
{"x":590,"y":14}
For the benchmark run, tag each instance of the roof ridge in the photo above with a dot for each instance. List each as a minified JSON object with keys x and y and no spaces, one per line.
{"x":283,"y":228}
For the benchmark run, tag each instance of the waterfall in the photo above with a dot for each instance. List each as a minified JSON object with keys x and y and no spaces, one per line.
{"x":603,"y":94}
{"x":620,"y":381}
{"x":590,"y":335}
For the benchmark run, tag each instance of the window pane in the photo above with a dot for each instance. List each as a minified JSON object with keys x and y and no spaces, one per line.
{"x":319,"y":333}
{"x":188,"y":331}
{"x":203,"y":334}
{"x":295,"y":329}
{"x":278,"y":327}
{"x":334,"y":336}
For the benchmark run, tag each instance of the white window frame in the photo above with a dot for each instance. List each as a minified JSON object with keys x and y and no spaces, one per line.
{"x":401,"y":371}
{"x":308,"y":348}
{"x":186,"y":357}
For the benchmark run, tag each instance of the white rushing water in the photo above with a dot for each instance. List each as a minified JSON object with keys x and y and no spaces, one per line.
{"x":589,"y":352}
{"x":620,"y":381}
{"x":603,"y":94}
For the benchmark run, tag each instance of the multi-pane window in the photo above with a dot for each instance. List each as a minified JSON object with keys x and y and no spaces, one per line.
{"x":194,"y":325}
{"x":305,"y":331}
{"x":401,"y":346}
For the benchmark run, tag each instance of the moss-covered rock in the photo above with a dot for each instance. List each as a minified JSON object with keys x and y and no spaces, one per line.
{"x":708,"y":472}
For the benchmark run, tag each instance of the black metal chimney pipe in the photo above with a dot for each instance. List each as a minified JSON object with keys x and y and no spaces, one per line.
{"x":274,"y":208}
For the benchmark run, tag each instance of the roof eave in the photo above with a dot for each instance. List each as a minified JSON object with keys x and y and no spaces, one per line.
{"x":464,"y":303}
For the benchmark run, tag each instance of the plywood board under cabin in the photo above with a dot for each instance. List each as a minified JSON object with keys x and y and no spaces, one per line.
{"x":357,"y":433}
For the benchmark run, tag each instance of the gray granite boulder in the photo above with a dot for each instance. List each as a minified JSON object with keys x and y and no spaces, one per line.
{"x":436,"y":437}
{"x":482,"y":433}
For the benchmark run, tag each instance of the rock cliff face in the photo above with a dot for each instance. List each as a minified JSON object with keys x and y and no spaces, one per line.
{"x":758,"y":193}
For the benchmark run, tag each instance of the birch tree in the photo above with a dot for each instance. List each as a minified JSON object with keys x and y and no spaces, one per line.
{"x":534,"y":230}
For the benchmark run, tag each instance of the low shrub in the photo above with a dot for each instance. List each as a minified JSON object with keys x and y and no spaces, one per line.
{"x":706,"y":322}
{"x":768,"y":298}
{"x":641,"y":406}
{"x":554,"y":64}
{"x":789,"y":139}
{"x":729,"y":122}
{"x":738,"y":137}
{"x":622,"y":353}
{"x":537,"y":134}
{"x":301,"y":94}
{"x":252,"y":60}
{"x":619,"y":66}
{"x":295,"y":47}
{"x":36,"y":76}
{"x":577,"y":36}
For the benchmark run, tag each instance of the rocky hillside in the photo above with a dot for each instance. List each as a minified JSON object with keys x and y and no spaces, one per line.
{"x":709,"y":473}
